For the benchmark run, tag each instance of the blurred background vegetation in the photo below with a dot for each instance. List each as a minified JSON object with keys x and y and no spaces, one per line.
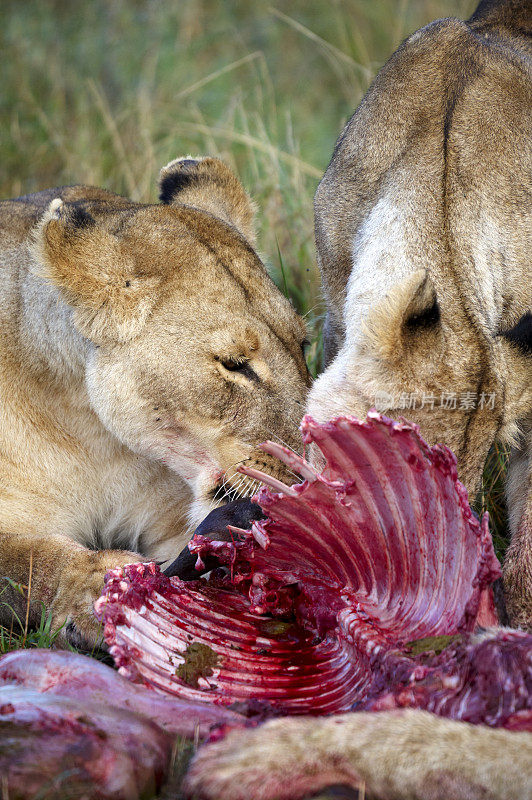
{"x":107,"y":91}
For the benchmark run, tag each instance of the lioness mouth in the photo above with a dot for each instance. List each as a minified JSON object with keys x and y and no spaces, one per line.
{"x":223,"y":493}
{"x":240,"y":488}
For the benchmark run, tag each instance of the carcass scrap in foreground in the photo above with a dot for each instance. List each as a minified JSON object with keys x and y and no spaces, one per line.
{"x":71,"y":727}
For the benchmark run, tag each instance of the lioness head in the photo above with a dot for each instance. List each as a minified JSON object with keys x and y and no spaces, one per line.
{"x":193,"y":356}
{"x":423,"y":235}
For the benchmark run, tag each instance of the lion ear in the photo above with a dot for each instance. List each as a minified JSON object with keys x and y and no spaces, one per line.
{"x":209,"y":184}
{"x":85,"y":262}
{"x":410,"y":307}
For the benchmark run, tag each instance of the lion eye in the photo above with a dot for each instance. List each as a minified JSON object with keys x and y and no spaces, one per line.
{"x":233,"y":364}
{"x":241,"y":366}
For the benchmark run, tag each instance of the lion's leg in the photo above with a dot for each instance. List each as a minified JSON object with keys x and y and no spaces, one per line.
{"x":395,"y":754}
{"x":58,"y":573}
{"x":517,"y":571}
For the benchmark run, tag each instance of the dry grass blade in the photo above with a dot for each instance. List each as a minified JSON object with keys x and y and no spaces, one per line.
{"x":182,"y":752}
{"x":217,"y":74}
{"x":116,"y":139}
{"x":335,"y":51}
{"x":251,"y":141}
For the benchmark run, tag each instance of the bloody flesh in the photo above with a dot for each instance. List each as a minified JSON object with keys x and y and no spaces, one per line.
{"x":72,"y":727}
{"x":89,"y":682}
{"x":323,"y":597}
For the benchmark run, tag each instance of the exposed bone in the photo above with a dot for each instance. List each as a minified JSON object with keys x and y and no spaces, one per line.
{"x":291,"y":459}
{"x":274,"y":483}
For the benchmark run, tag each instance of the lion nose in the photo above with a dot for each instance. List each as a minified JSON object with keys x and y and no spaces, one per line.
{"x":239,"y":513}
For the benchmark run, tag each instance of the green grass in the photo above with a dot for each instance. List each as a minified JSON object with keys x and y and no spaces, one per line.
{"x":23,"y":634}
{"x":20,"y":634}
{"x":491,"y":498}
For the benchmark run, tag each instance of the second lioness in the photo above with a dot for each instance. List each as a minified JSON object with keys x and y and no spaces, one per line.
{"x":424,"y":233}
{"x":145,"y":354}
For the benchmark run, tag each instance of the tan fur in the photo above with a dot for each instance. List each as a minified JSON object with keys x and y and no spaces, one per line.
{"x":427,"y":198}
{"x":391,"y":755}
{"x":122,"y":412}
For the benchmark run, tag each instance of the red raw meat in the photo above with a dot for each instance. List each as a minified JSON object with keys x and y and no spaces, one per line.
{"x":378,"y":550}
{"x":479,"y":678}
{"x":59,"y":672}
{"x":72,"y":727}
{"x":53,"y":747}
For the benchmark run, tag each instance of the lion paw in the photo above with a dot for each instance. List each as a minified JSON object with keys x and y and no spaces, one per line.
{"x":80,"y":586}
{"x":272,"y":761}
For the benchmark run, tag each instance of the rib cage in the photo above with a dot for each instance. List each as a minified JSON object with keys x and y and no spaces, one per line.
{"x":379,"y":549}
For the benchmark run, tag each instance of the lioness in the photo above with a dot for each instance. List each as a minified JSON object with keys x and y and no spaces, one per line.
{"x":424,"y":236}
{"x":424,"y":239}
{"x":145,"y":354}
